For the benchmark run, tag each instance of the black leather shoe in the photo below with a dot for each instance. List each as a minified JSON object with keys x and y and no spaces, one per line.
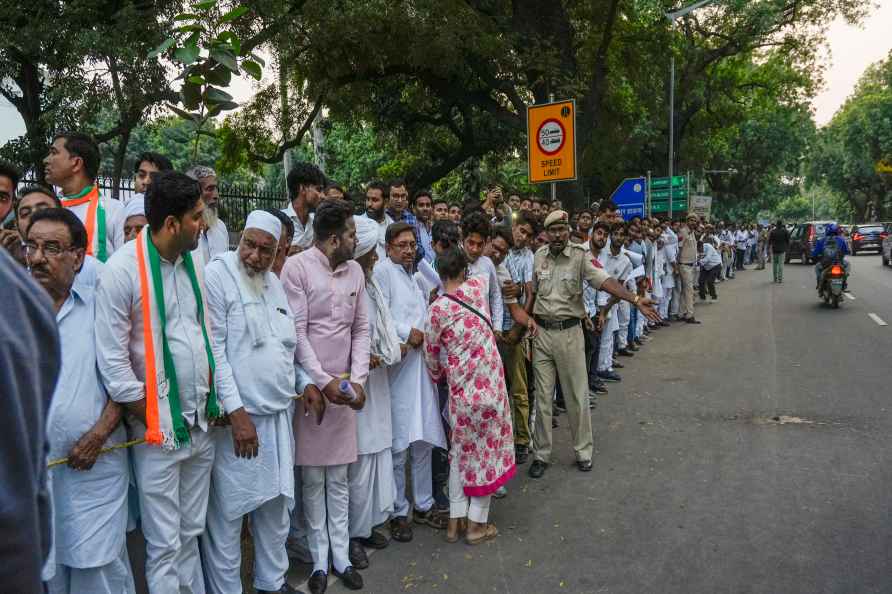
{"x":350,"y":578}
{"x":285,"y":589}
{"x":625,"y":353}
{"x":584,"y":465}
{"x":691,"y":321}
{"x":318,"y":582}
{"x":537,"y":469}
{"x":375,"y":541}
{"x":357,"y":555}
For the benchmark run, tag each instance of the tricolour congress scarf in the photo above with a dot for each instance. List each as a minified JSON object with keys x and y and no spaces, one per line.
{"x":164,"y":420}
{"x":95,"y":220}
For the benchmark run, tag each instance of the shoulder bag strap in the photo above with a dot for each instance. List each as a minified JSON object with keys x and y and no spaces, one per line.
{"x":471,"y":309}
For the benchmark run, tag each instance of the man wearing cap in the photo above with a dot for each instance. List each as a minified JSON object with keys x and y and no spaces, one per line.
{"x":687,"y":259}
{"x":559,"y":270}
{"x":253,"y":330}
{"x":134,"y":217}
{"x":214,"y":238}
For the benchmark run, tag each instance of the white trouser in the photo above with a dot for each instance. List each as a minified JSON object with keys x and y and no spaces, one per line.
{"x":475,"y":509}
{"x":365,"y":493}
{"x":299,"y":529}
{"x":326,"y":498}
{"x":676,"y":296}
{"x":221,"y":548}
{"x":173,"y":497}
{"x":622,"y":315}
{"x":664,"y":302}
{"x":605,"y":349}
{"x":111,"y":578}
{"x":422,"y":487}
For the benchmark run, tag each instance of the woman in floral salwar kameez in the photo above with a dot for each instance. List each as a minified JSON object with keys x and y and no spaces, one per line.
{"x":460,"y":345}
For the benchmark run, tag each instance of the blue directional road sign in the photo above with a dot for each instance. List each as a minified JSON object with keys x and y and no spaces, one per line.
{"x":630,"y":196}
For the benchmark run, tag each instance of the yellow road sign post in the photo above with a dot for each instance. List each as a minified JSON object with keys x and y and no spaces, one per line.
{"x":551,"y":142}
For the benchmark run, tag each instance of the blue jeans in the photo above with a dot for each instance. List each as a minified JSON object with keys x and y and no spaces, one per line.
{"x":633,"y":324}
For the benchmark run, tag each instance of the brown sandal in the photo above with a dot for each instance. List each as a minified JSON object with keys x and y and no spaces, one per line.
{"x":431,"y":518}
{"x":455,"y":529}
{"x":400,"y":529}
{"x":489,"y":533}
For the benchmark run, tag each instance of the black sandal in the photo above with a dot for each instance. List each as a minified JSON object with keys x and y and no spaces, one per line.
{"x":400,"y":529}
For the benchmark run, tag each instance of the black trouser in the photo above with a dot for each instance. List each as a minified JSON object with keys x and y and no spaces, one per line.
{"x":440,"y":457}
{"x":707,"y":281}
{"x":740,"y":255}
{"x":592,"y":345}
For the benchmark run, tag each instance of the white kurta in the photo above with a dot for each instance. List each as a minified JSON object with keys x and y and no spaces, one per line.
{"x":90,"y":507}
{"x":381,"y":246}
{"x":213,"y":242}
{"x":114,"y":221}
{"x":414,"y":409}
{"x":264,"y":386}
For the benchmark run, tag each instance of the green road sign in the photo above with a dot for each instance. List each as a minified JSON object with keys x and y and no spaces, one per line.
{"x":678,"y":206}
{"x":658,"y":183}
{"x":677,"y":193}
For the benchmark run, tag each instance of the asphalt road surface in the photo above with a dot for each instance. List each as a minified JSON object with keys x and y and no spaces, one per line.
{"x":750,"y":454}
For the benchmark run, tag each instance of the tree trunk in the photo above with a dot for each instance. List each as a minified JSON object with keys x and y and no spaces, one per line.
{"x":120,"y":155}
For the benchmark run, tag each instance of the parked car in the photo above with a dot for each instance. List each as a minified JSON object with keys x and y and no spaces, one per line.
{"x":803,"y":239}
{"x":868,"y":236}
{"x":887,"y":246}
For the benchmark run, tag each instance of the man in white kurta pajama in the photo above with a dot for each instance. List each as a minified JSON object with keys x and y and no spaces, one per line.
{"x":172,"y":480}
{"x":372,"y":490}
{"x":89,"y":493}
{"x":254,"y":341}
{"x":414,"y":402}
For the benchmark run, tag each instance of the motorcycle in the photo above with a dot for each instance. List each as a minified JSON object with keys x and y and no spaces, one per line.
{"x":833,"y":281}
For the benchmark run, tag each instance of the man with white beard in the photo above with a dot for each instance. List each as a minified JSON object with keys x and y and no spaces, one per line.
{"x":214,"y":238}
{"x":372,"y":490}
{"x":254,"y":333}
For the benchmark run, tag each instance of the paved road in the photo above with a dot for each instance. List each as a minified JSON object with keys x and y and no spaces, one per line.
{"x":696,"y":487}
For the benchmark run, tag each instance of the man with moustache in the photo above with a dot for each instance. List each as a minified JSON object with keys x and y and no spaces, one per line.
{"x":253,"y":474}
{"x":214,"y":237}
{"x":32,"y":199}
{"x":304,"y":183}
{"x":73,"y":164}
{"x":154,"y":352}
{"x":375,"y":210}
{"x":89,"y":493}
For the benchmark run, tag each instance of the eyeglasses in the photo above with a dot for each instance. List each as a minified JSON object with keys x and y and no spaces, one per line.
{"x":264,"y":251}
{"x":49,"y":248}
{"x":406,"y":245}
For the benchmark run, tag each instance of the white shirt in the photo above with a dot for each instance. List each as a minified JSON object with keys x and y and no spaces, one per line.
{"x":484,"y":267}
{"x":741,"y":238}
{"x":303,"y":234}
{"x":120,"y":348}
{"x":710,"y":258}
{"x":90,"y":507}
{"x":114,"y":221}
{"x":381,"y":247}
{"x":213,"y":242}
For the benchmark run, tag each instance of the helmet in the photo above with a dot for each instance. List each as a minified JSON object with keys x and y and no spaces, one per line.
{"x":831,"y":229}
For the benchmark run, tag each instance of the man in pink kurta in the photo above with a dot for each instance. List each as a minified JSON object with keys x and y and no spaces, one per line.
{"x":325,"y":290}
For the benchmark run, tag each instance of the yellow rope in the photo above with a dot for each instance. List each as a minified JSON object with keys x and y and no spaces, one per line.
{"x":120,"y":446}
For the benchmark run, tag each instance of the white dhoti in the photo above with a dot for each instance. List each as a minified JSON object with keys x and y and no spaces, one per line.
{"x":111,"y":578}
{"x":326,"y":502}
{"x":261,"y":488}
{"x":372,"y":492}
{"x":173,"y":496}
{"x":422,"y":485}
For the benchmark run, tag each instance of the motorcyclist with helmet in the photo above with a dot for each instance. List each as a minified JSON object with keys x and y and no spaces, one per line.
{"x":829,"y":250}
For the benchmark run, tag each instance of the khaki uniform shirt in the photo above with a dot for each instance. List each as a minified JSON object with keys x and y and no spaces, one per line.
{"x":557,"y":282}
{"x":687,"y":245}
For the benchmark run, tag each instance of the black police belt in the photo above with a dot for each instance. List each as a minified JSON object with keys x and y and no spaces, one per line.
{"x":557,"y":324}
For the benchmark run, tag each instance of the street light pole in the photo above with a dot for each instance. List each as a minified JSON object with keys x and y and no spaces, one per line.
{"x":671,"y":127}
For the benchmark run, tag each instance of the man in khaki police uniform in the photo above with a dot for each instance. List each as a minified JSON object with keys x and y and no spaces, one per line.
{"x":559,"y":269}
{"x":687,"y":258}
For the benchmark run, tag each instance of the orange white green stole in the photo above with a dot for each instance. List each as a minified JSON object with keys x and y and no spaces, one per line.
{"x":94,"y":221}
{"x":164,"y":420}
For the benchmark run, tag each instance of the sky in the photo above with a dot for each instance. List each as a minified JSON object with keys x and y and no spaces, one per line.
{"x":849,"y":51}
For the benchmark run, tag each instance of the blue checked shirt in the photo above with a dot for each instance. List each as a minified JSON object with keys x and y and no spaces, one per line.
{"x":520,"y":265}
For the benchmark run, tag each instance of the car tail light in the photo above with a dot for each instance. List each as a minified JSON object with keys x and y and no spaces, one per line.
{"x":837,"y":270}
{"x":857,"y":237}
{"x":884,"y":235}
{"x":811,"y":234}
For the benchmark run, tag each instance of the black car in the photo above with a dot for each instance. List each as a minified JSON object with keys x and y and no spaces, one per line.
{"x":803,"y":239}
{"x":868,"y":236}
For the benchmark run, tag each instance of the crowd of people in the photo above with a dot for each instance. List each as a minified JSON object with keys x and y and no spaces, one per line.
{"x":302,"y":380}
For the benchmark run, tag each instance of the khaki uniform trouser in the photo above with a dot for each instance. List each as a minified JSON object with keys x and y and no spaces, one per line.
{"x":687,"y":291}
{"x":515,"y":365}
{"x":561,"y":353}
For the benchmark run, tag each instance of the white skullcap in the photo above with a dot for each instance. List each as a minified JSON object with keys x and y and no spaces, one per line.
{"x":136,"y":206}
{"x":260,"y":219}
{"x":366,"y":236}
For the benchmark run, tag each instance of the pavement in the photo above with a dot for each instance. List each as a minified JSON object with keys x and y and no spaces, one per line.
{"x":749,"y":454}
